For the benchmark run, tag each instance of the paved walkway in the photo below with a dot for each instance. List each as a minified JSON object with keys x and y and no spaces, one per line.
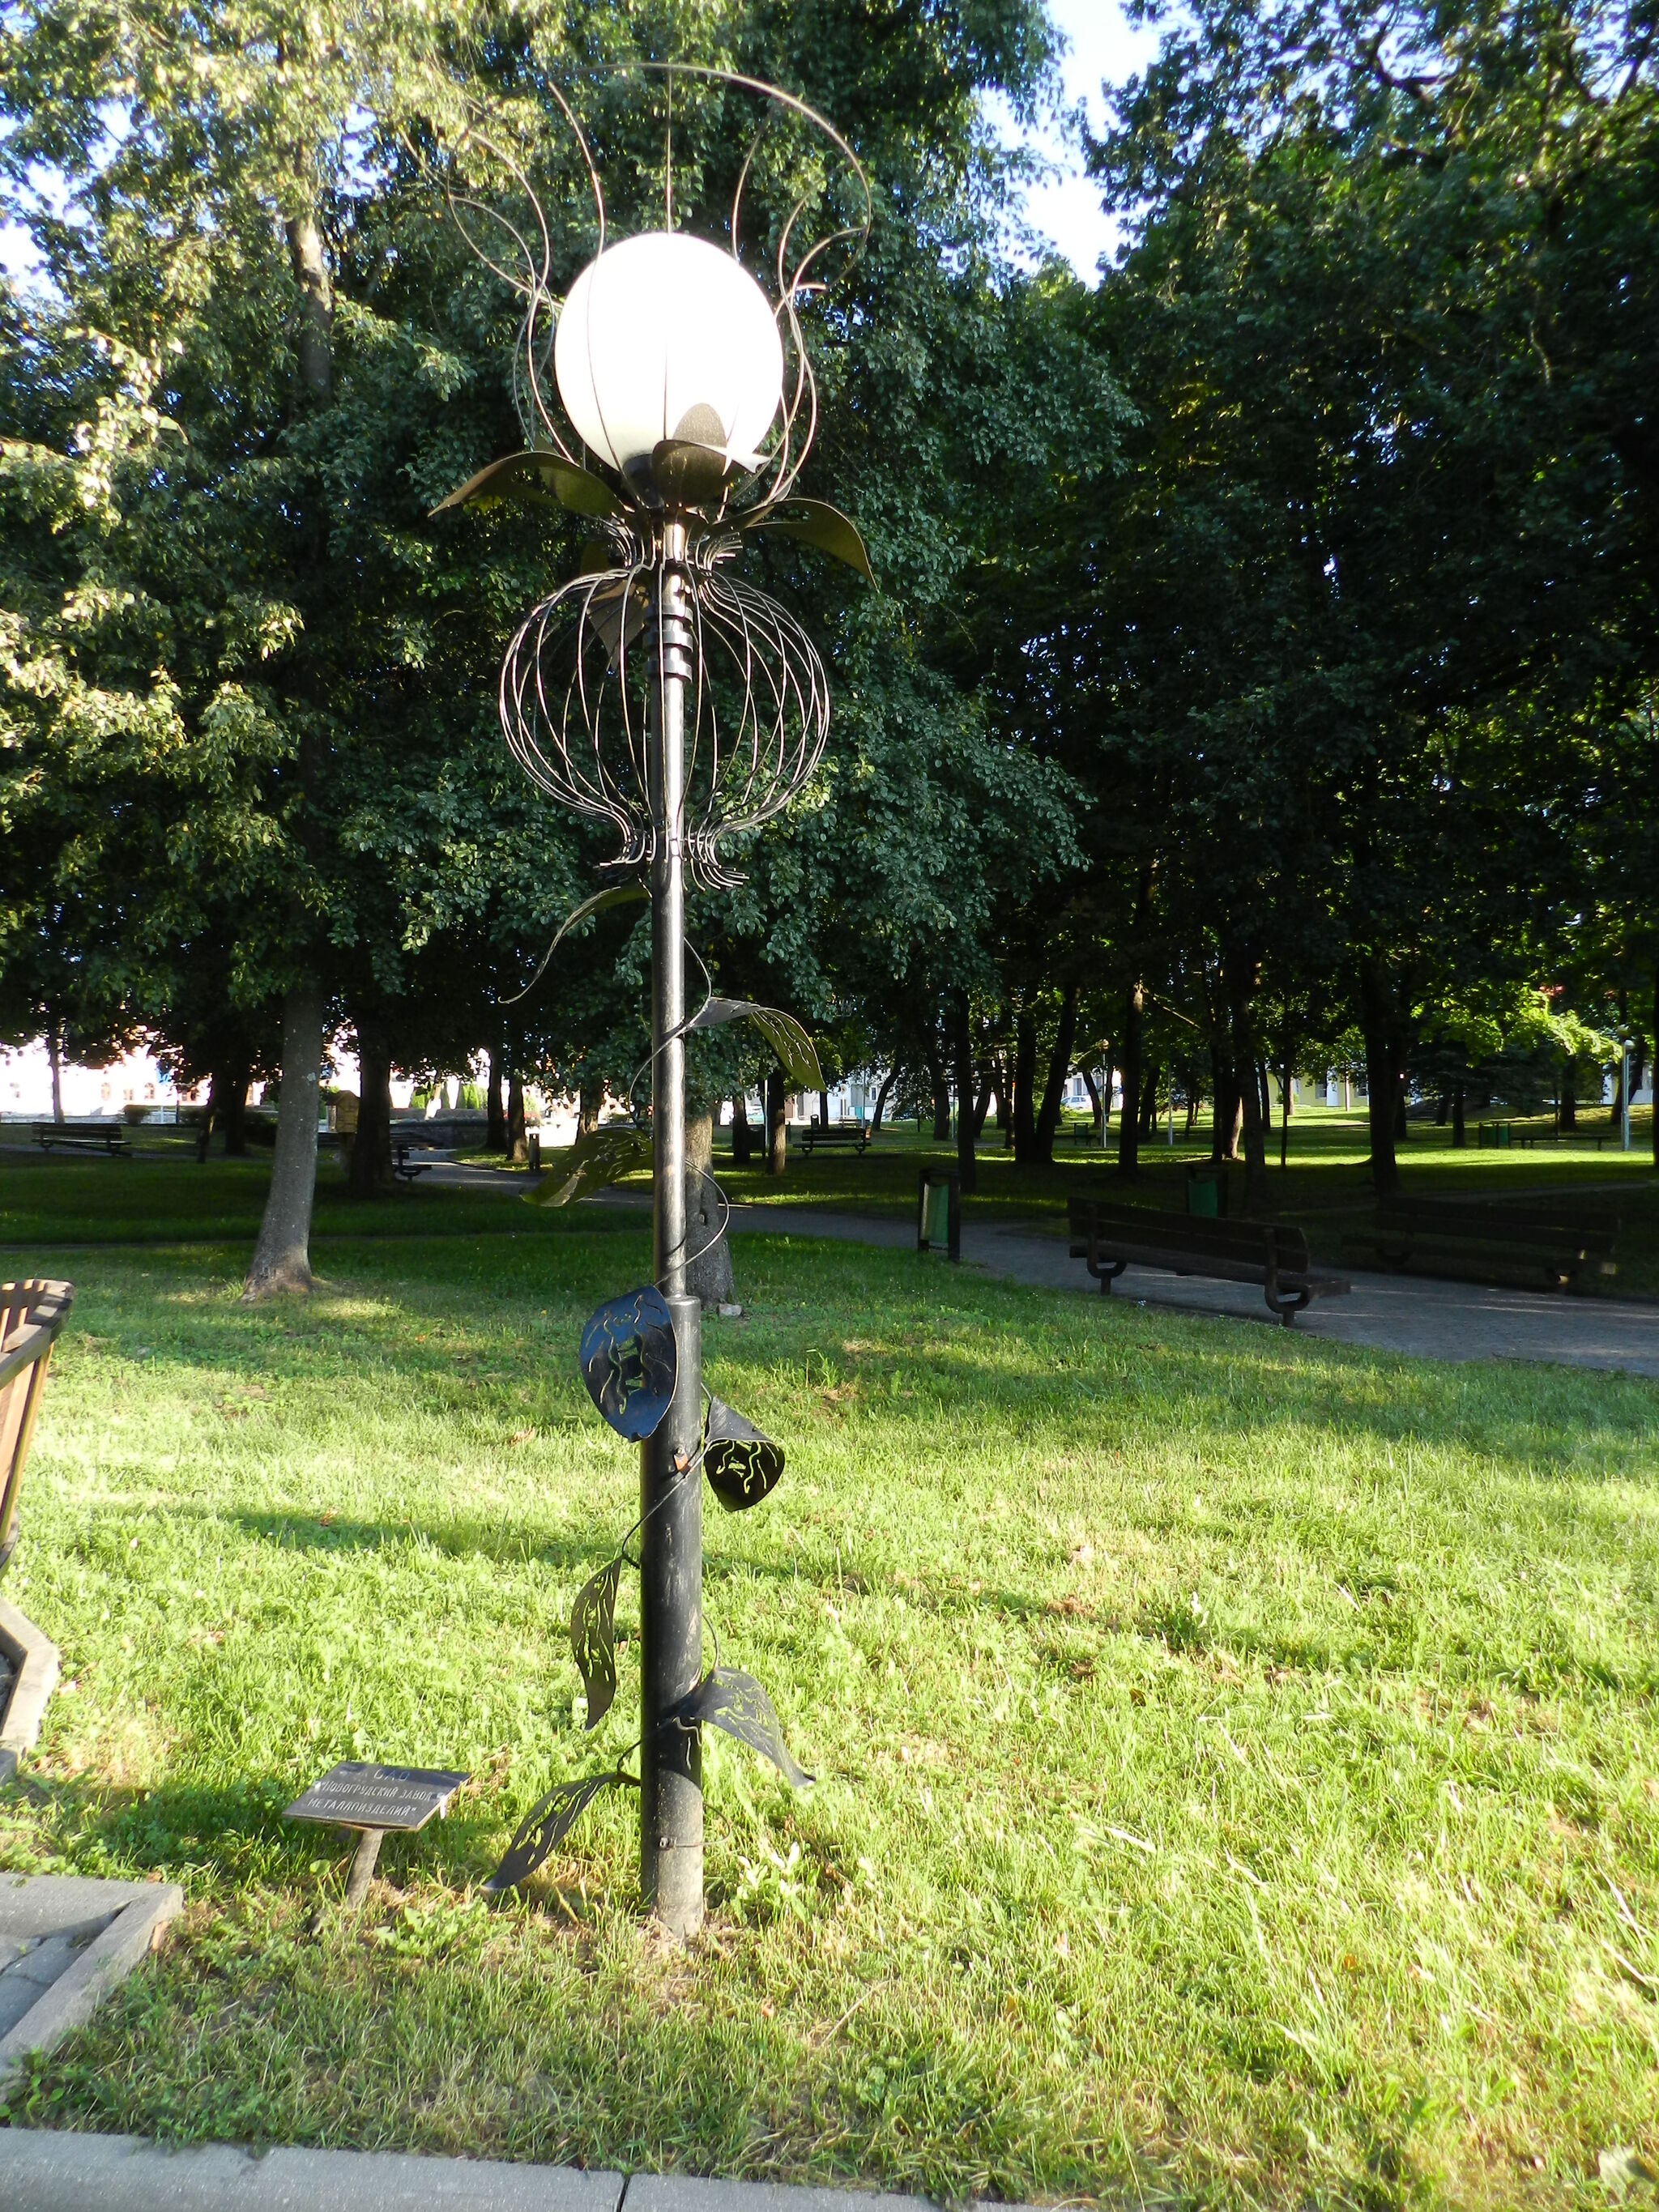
{"x":1414,"y":1314}
{"x":43,"y":2171}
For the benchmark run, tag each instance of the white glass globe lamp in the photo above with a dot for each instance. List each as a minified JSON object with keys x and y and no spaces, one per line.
{"x":668,"y":336}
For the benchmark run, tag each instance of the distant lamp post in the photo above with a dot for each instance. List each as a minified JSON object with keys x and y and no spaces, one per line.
{"x":660,"y":693}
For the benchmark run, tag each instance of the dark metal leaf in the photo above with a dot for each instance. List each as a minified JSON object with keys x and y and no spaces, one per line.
{"x":601,"y":1158}
{"x":629,"y":1361}
{"x":689,"y":473}
{"x":593,"y":1639}
{"x":535,"y":479}
{"x":817,"y":523}
{"x":547,"y":1824}
{"x":730,"y":1700}
{"x":741,"y":1461}
{"x":616,"y":613}
{"x":797,"y":1053}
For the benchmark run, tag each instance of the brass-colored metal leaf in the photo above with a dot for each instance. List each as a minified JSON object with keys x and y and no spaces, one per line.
{"x":596,"y":1160}
{"x":817,"y":523}
{"x":535,"y":479}
{"x":796,"y":1053}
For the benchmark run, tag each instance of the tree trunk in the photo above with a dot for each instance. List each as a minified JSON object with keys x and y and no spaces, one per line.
{"x":55,"y":1054}
{"x":1242,"y":979}
{"x":1569,"y":1094}
{"x":941,"y":1094}
{"x":1128,"y":1060}
{"x":1656,"y":1088}
{"x":961,"y":1037}
{"x":881,"y":1100}
{"x":1442,"y":1110}
{"x":1459,"y":1134}
{"x":983,"y":1105}
{"x":707,"y":1254}
{"x":494,"y":1119}
{"x":590,"y":1103}
{"x":1382,"y":1072}
{"x":1149,"y":1104}
{"x":1284,"y":1117}
{"x":1025,"y":1085}
{"x":518,"y":1141}
{"x":777,"y":1130}
{"x":282,"y":1257}
{"x":1005,"y":1101}
{"x":742,"y":1147}
{"x":371,"y":1148}
{"x":1096,"y":1109}
{"x":1060,"y":1066}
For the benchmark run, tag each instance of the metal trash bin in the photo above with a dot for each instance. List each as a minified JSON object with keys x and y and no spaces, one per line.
{"x":939,"y":1210}
{"x":1207,"y":1189}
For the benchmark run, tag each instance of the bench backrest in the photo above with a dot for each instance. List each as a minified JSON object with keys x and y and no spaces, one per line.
{"x":1190,"y":1232}
{"x":1500,"y":1223}
{"x":30,"y":1315}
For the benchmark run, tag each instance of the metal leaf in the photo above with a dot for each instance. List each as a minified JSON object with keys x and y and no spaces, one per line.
{"x":796,"y":1053}
{"x":741,"y":1461}
{"x":728,"y":1699}
{"x":547,"y":1824}
{"x":616,"y":895}
{"x":535,"y":479}
{"x":617,"y":615}
{"x":817,"y":523}
{"x":594,"y":1161}
{"x":593,"y":1639}
{"x":629,"y":1361}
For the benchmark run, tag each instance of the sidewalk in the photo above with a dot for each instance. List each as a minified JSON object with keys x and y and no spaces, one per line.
{"x":1423,"y":1316}
{"x":50,"y":2171}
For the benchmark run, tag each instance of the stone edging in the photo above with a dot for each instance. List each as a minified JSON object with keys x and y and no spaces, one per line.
{"x":49,"y":2171}
{"x":121,"y":1919}
{"x":35,"y":1657}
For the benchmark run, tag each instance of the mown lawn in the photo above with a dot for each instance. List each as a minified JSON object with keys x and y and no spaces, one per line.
{"x":1237,"y":1754}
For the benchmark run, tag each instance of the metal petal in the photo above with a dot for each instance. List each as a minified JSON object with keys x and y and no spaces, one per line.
{"x":593,"y":1639}
{"x":535,"y":479}
{"x":818,"y":524}
{"x":732,"y":1701}
{"x":547,"y":1824}
{"x":688,"y":473}
{"x":629,"y":1361}
{"x":741,"y":1461}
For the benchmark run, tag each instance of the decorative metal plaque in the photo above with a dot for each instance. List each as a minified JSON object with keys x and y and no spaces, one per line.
{"x":629,"y":1362}
{"x":354,"y":1795}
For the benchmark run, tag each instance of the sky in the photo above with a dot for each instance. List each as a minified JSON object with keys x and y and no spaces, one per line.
{"x":1104,"y":45}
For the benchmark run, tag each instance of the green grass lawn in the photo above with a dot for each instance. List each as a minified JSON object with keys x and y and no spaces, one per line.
{"x":1239,"y":1755}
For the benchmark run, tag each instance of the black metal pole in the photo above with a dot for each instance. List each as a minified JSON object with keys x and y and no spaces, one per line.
{"x":671,"y":1497}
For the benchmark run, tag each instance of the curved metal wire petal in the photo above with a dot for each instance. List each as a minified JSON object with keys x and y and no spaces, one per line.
{"x":535,"y":479}
{"x":593,"y":1638}
{"x":797,"y":1053}
{"x":817,"y":523}
{"x":547,"y":1824}
{"x":728,"y":1699}
{"x":742,"y":1462}
{"x":629,"y":1361}
{"x":594,"y":1162}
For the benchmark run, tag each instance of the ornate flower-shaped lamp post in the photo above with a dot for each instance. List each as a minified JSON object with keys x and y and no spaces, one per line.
{"x":660,"y":693}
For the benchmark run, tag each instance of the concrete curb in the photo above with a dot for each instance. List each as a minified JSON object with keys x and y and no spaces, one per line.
{"x":35,"y":1657}
{"x":46,"y":2171}
{"x":122,"y":1920}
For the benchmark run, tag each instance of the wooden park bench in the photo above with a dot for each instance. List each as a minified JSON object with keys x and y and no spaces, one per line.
{"x":1270,"y":1252}
{"x":1474,"y":1237}
{"x":835,"y":1132}
{"x":402,"y":1166}
{"x":109,"y":1137}
{"x":30,"y":1315}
